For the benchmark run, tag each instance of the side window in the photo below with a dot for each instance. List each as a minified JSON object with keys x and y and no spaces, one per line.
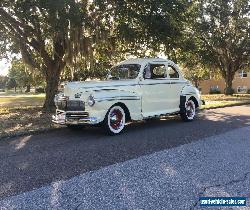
{"x":172,"y":72}
{"x":155,"y":71}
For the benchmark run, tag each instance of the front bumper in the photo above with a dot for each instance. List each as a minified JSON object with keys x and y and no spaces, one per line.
{"x":73,"y":118}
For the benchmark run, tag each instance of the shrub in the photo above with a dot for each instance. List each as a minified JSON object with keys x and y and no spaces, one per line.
{"x":39,"y":90}
{"x":214,"y":91}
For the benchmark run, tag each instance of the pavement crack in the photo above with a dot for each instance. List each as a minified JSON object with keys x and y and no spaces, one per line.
{"x":78,"y":205}
{"x":204,"y":189}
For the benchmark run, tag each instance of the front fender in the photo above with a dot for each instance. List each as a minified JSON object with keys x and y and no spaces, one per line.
{"x":114,"y":95}
{"x":190,"y":91}
{"x":107,"y":98}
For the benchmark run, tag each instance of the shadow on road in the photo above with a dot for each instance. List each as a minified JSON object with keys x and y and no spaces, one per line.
{"x":33,"y":161}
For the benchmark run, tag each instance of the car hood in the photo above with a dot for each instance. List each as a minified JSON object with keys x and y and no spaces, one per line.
{"x":72,"y":88}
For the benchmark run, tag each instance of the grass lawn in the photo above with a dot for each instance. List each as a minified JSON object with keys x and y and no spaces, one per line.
{"x":220,"y":100}
{"x":21,"y":100}
{"x":22,"y":113}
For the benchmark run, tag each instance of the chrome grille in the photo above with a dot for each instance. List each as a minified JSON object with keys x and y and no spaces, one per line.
{"x":73,"y":105}
{"x":70,"y":105}
{"x":77,"y":115}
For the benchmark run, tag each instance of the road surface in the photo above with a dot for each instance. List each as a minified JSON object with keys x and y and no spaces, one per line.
{"x":160,"y":164}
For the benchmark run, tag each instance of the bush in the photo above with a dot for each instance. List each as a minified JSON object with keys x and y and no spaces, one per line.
{"x":214,"y":91}
{"x":39,"y":90}
{"x":2,"y":90}
{"x":248,"y":91}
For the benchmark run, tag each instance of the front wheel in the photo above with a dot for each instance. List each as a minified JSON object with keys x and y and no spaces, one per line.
{"x":188,"y":114}
{"x":115,"y":120}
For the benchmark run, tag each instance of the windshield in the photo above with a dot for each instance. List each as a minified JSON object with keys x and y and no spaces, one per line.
{"x":125,"y":71}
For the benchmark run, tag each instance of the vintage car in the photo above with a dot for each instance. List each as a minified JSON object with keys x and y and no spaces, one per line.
{"x":135,"y":89}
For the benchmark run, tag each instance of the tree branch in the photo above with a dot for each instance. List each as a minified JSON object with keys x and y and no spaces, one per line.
{"x":27,"y":57}
{"x":22,"y":34}
{"x":16,"y":24}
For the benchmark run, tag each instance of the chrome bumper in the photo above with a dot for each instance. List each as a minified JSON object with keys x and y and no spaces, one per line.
{"x":73,"y":118}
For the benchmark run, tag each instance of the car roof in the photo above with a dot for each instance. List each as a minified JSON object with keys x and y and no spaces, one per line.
{"x":143,"y":60}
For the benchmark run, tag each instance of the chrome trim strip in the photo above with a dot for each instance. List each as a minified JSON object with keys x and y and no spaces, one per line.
{"x":164,"y":83}
{"x":63,"y":111}
{"x":170,"y":82}
{"x":108,"y":86}
{"x":117,"y":98}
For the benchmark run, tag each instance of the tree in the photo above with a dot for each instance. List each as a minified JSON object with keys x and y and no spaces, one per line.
{"x":52,"y":35}
{"x":121,"y":28}
{"x":11,"y":83}
{"x":196,"y":75}
{"x":46,"y":32}
{"x":151,"y":26}
{"x":21,"y":74}
{"x":220,"y":31}
{"x":3,"y":82}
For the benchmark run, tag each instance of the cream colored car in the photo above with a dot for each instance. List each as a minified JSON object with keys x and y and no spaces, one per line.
{"x":135,"y":89}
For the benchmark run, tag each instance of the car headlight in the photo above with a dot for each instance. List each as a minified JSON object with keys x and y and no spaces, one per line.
{"x":91,"y":100}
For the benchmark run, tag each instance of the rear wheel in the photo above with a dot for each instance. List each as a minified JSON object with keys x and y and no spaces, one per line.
{"x":188,"y":114}
{"x":115,"y":119}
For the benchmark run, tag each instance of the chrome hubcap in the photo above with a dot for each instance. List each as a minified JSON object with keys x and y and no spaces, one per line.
{"x":116,"y":119}
{"x":190,"y":109}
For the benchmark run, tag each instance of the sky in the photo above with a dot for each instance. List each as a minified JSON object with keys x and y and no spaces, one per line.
{"x":4,"y":65}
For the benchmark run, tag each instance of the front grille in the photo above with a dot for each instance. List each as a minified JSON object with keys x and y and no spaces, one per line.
{"x":70,"y":105}
{"x":77,"y":115}
{"x":75,"y":106}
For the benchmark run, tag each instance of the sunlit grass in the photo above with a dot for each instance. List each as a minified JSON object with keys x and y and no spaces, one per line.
{"x":219,"y":97}
{"x":221,"y":100}
{"x":21,"y":100}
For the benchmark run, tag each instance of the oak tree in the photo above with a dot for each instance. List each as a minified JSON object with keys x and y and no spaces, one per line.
{"x":45,"y":32}
{"x":220,"y":30}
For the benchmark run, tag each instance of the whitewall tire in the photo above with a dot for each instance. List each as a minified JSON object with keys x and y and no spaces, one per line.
{"x":188,"y":114}
{"x":115,"y":120}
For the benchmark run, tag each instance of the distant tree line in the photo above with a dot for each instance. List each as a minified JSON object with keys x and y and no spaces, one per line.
{"x":22,"y":77}
{"x":78,"y":39}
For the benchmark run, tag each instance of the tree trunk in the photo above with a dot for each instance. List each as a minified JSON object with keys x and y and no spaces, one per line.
{"x":229,"y":83}
{"x":196,"y":83}
{"x":52,"y":82}
{"x":27,"y":89}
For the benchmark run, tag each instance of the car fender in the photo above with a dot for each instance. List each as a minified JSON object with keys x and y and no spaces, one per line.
{"x":106,"y":98}
{"x":189,"y":91}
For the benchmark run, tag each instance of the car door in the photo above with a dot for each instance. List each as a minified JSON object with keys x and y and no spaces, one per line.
{"x":155,"y":87}
{"x":177,"y":83}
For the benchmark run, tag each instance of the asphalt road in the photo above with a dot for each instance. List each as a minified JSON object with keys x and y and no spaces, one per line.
{"x":30,"y":162}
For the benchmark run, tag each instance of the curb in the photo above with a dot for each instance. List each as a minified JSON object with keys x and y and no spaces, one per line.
{"x":24,"y":133}
{"x":227,"y":105}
